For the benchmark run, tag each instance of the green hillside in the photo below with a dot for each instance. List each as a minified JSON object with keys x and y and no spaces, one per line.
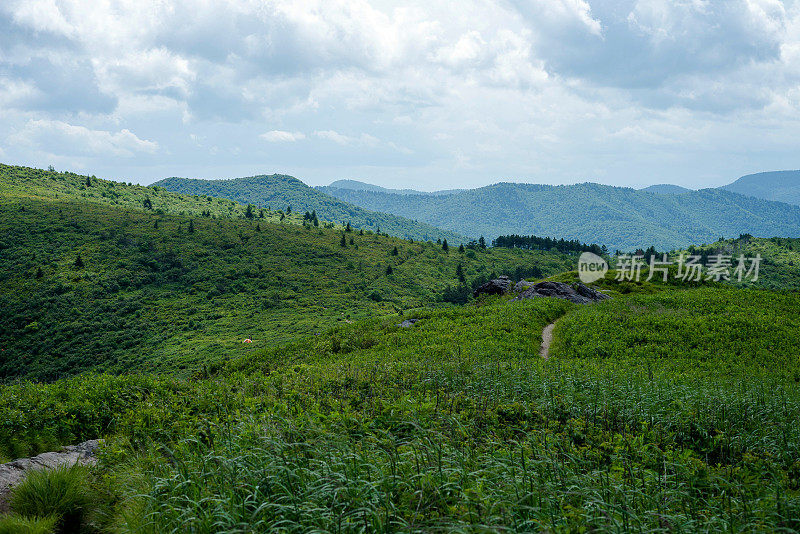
{"x":90,"y":284}
{"x":621,"y":218}
{"x":661,"y":410}
{"x":666,"y":189}
{"x":277,"y":191}
{"x":781,"y":186}
{"x":362,"y":186}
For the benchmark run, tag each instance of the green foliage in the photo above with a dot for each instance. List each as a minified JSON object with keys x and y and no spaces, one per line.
{"x":16,"y":524}
{"x":185,"y":294}
{"x":781,"y":186}
{"x":620,"y":218}
{"x":61,"y":492}
{"x":277,"y":190}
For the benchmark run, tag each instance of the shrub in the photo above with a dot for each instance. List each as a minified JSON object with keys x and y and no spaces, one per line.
{"x":15,"y":524}
{"x":60,"y":492}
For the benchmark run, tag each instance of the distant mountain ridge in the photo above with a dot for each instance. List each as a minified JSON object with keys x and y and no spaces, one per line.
{"x":619,"y":217}
{"x":277,"y":191}
{"x":666,"y":189}
{"x":781,"y":186}
{"x":363,"y":186}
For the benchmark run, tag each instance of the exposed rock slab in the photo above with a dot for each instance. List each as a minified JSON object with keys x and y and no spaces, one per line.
{"x":12,"y":473}
{"x":577,"y":293}
{"x":498,"y":286}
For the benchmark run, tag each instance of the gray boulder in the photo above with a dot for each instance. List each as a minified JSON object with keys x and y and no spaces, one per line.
{"x":498,"y":286}
{"x":577,"y":293}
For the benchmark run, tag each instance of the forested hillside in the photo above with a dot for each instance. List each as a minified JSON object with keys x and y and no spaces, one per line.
{"x":278,"y":191}
{"x":782,"y":186}
{"x":620,"y":218}
{"x":93,"y":284}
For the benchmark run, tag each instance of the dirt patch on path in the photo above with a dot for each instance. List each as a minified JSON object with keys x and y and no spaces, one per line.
{"x":12,"y":473}
{"x":547,"y":339}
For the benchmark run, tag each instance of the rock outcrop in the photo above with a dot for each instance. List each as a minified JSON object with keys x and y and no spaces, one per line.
{"x":577,"y":293}
{"x":12,"y":473}
{"x":498,"y":286}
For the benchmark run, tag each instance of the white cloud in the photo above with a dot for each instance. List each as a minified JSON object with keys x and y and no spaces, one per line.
{"x":280,"y":136}
{"x":69,"y":139}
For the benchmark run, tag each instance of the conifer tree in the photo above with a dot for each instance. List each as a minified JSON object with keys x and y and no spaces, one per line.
{"x":445,"y":247}
{"x":460,"y":273}
{"x":394,"y":251}
{"x":148,"y":205}
{"x":389,"y":269}
{"x":343,"y":241}
{"x":249,"y":211}
{"x":39,"y":273}
{"x":191,"y":226}
{"x":348,"y":228}
{"x":78,"y":261}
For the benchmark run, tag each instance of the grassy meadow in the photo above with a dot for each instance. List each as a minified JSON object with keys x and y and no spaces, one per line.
{"x":668,"y":408}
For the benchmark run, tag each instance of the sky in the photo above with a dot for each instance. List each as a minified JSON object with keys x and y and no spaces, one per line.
{"x":428,"y":95}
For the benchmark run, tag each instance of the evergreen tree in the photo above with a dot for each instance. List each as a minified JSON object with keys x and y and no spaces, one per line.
{"x":461,"y":248}
{"x":258,"y":227}
{"x":88,"y":182}
{"x":394,"y":251}
{"x":155,"y":224}
{"x":361,"y":232}
{"x":389,"y":269}
{"x":445,"y":247}
{"x":191,"y":226}
{"x":482,"y":242}
{"x":343,"y":241}
{"x":249,"y":211}
{"x":78,"y":261}
{"x":39,"y":273}
{"x":314,"y":217}
{"x":282,"y":216}
{"x":148,"y":205}
{"x":288,"y":209}
{"x":460,"y":273}
{"x":352,"y":241}
{"x":348,"y":228}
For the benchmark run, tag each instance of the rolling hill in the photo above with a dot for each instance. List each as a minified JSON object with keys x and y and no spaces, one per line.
{"x":362,"y":186}
{"x":618,"y":217}
{"x":666,"y":189}
{"x":277,"y":191}
{"x":781,"y":186}
{"x":90,"y":279}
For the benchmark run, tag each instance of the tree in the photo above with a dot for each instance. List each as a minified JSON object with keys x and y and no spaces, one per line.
{"x":155,"y":224}
{"x":348,"y":228}
{"x":282,"y":216}
{"x":343,"y":241}
{"x":258,"y":227}
{"x":352,"y":241}
{"x":249,"y":211}
{"x":461,"y":248}
{"x":314,"y":217}
{"x":288,"y":209}
{"x":395,"y":251}
{"x":39,"y":273}
{"x":460,"y":273}
{"x":147,"y":203}
{"x":78,"y":261}
{"x":361,"y":232}
{"x":389,"y":269}
{"x":445,"y":246}
{"x":482,"y":242}
{"x":88,"y":182}
{"x":261,"y":214}
{"x":51,"y":168}
{"x":191,"y":226}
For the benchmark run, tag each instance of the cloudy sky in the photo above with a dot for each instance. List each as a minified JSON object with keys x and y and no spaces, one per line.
{"x":405,"y":94}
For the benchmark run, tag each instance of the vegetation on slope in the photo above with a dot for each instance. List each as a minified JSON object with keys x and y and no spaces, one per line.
{"x":667,"y":410}
{"x":90,"y":286}
{"x":782,"y":186}
{"x":277,"y":191}
{"x":620,"y":218}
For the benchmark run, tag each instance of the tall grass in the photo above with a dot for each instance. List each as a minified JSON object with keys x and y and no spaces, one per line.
{"x":62,"y":492}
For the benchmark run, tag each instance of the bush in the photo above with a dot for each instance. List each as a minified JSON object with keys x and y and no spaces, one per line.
{"x":60,"y":492}
{"x":15,"y":524}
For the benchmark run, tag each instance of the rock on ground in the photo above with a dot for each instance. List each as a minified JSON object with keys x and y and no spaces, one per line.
{"x":577,"y":293}
{"x":12,"y":473}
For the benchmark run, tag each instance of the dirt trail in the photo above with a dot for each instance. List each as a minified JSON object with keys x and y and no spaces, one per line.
{"x":547,"y":339}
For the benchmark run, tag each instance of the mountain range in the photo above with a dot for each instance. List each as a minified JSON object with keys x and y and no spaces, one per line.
{"x":665,"y":216}
{"x":279,"y":191}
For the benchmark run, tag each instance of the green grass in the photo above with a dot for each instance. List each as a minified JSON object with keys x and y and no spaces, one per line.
{"x":153,"y":296}
{"x":15,"y":524}
{"x":457,"y":424}
{"x":60,"y":493}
